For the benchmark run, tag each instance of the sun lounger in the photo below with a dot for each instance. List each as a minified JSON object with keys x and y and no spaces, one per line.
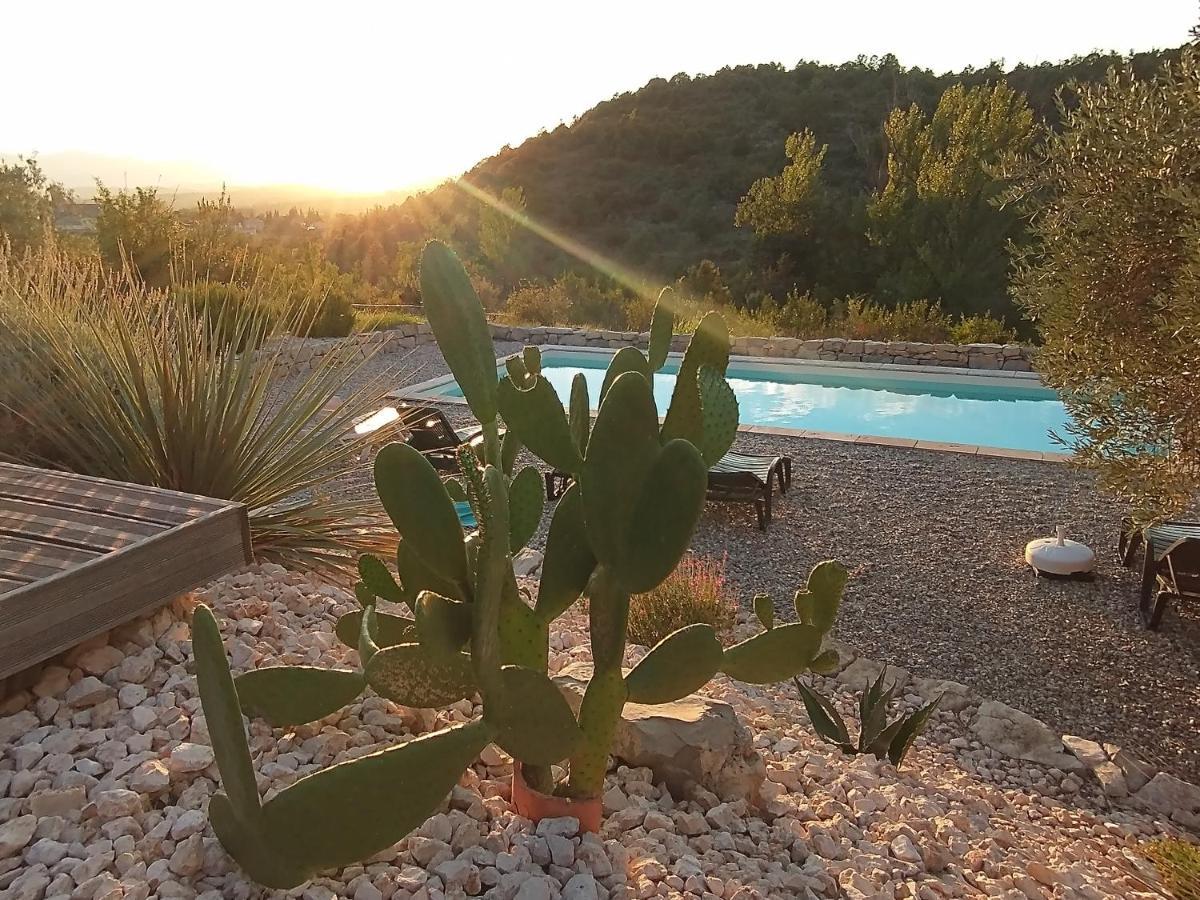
{"x":1170,"y":564}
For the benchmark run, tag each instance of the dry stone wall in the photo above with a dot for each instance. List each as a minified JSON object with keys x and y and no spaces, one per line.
{"x":298,"y":353}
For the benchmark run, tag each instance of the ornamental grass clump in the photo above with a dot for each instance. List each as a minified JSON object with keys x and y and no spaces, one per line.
{"x":696,"y":592}
{"x":1178,"y":864}
{"x":466,"y":630}
{"x":105,"y":376}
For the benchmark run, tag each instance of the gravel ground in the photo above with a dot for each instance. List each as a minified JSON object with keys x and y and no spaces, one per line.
{"x":940,"y":588}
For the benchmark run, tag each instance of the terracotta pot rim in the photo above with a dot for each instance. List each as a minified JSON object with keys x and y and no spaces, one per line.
{"x":535,"y":806}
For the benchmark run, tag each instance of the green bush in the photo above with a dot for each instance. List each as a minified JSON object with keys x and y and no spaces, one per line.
{"x":695,"y":592}
{"x":981,"y":328}
{"x":801,"y":316}
{"x":383,"y":319}
{"x":223,"y":308}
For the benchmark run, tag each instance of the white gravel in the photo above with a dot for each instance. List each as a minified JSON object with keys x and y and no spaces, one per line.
{"x":103,"y":801}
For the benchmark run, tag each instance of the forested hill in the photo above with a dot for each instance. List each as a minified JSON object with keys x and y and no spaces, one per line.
{"x":653,"y":177}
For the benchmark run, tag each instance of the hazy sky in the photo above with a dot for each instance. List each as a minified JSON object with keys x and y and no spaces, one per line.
{"x":367,"y":96}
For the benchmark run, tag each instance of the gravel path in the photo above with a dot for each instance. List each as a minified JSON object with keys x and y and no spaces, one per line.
{"x":941,"y":588}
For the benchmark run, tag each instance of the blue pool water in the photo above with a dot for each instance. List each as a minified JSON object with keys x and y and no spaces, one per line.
{"x":1017,"y":417}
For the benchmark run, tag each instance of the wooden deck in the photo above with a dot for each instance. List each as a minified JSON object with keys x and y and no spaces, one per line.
{"x":80,"y":555}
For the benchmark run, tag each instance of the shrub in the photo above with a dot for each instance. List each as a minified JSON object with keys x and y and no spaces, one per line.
{"x":383,"y":319}
{"x":695,"y":592}
{"x":221,"y":307}
{"x":801,"y":316}
{"x":1178,"y":864}
{"x":981,"y":328}
{"x":1113,"y":281}
{"x":111,"y":379}
{"x":538,"y":304}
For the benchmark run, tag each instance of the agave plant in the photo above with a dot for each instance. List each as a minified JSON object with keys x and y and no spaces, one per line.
{"x":883,"y":739}
{"x":619,"y":530}
{"x":110,"y":378}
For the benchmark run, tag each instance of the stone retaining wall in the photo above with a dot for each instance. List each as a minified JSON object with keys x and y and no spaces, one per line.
{"x":1010,"y":357}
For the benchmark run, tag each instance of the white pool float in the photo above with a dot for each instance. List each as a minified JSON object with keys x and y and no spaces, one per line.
{"x":1059,"y":556}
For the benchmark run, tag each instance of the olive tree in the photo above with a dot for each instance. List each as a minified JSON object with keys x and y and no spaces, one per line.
{"x":1113,"y":278}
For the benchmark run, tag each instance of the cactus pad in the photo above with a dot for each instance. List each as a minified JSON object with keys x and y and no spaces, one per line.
{"x":390,"y":630}
{"x":627,"y":359}
{"x":773,"y":655}
{"x":378,"y":580}
{"x":247,"y":842}
{"x":764,"y":611}
{"x":532,"y":358}
{"x":417,"y":503}
{"x":294,"y":695}
{"x":412,"y":676}
{"x":524,"y":636}
{"x":818,"y":603}
{"x":443,"y":625}
{"x":537,"y":416}
{"x":825,"y":662}
{"x":356,"y":808}
{"x":662,"y":328}
{"x":709,"y":346}
{"x":580,"y":414}
{"x":533,"y":720}
{"x":679,"y":664}
{"x":568,"y":563}
{"x":719,"y":414}
{"x":458,"y":322}
{"x":526,"y":498}
{"x":219,"y":699}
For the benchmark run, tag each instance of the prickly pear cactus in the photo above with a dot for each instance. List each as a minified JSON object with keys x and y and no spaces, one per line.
{"x":454,"y":623}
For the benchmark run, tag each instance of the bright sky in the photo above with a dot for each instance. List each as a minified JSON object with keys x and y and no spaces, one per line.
{"x":362,"y":96}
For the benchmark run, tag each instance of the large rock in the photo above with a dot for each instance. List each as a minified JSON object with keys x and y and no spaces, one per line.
{"x":1173,"y":797}
{"x":696,"y":740}
{"x":1020,"y":735}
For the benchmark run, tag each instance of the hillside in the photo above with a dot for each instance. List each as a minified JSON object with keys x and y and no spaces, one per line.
{"x":653,"y":177}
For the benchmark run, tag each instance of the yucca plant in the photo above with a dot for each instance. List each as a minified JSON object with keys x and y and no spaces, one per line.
{"x":876,"y":735}
{"x":108,"y":377}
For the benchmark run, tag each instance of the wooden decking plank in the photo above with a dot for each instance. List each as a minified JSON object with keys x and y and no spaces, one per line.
{"x":75,"y":528}
{"x":15,"y":474}
{"x":67,"y":495}
{"x":23,"y":560}
{"x":45,"y":617}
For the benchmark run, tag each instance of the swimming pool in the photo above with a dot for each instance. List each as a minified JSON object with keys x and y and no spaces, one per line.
{"x":1008,"y":410}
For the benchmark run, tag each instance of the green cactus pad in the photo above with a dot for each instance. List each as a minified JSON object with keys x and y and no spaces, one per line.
{"x":580,"y":413}
{"x":526,"y":499}
{"x":367,"y":645}
{"x":598,"y":716}
{"x":222,"y":712}
{"x":456,"y":317}
{"x":538,"y":418}
{"x":709,"y":346}
{"x":664,"y":519}
{"x":825,"y":662}
{"x":662,"y":328}
{"x":389,"y":629}
{"x":524,"y":636}
{"x":719,"y":413}
{"x":454,"y":489}
{"x":764,"y":611}
{"x":621,"y":452}
{"x":247,"y":843}
{"x":443,"y":625}
{"x":676,"y":666}
{"x":294,"y":695}
{"x":568,"y":563}
{"x":412,"y":676}
{"x":364,"y":595}
{"x":532,"y":358}
{"x":510,"y":449}
{"x":418,"y":505}
{"x":627,"y":359}
{"x":533,"y":720}
{"x":415,"y":576}
{"x":818,"y":603}
{"x":379,"y":581}
{"x":774,"y":655}
{"x":348,"y":812}
{"x":515,"y":367}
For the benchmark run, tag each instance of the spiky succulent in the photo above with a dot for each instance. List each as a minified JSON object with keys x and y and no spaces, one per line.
{"x":618,"y":530}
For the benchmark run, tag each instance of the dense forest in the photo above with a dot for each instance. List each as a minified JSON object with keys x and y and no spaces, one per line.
{"x":653,"y":178}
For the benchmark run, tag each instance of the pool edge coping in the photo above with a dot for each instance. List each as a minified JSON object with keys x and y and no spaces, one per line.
{"x":420,"y":391}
